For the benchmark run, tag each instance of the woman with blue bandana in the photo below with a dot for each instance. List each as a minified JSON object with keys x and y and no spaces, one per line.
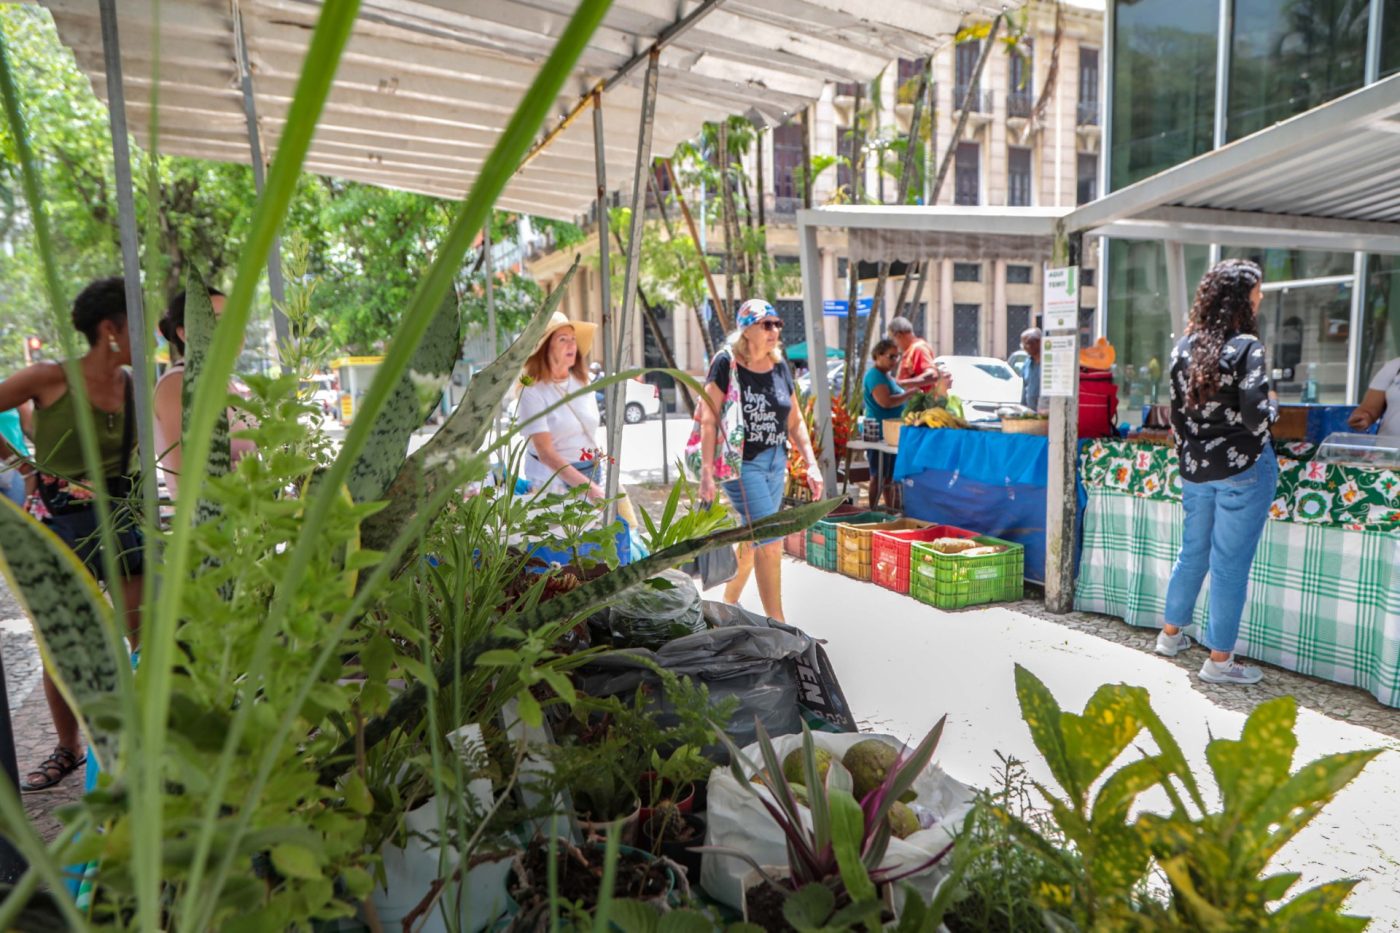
{"x":759,"y":413}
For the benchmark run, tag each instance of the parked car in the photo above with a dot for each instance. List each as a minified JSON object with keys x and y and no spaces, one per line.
{"x":642,"y":401}
{"x":835,"y":377}
{"x":984,"y":383}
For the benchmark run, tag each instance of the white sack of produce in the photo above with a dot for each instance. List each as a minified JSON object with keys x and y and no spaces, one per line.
{"x":737,"y":820}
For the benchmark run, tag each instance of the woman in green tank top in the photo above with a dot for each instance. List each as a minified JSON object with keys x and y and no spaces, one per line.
{"x":99,"y":313}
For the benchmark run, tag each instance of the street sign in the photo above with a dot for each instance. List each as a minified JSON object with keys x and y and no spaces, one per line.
{"x":1061,"y":299}
{"x":836,"y":307}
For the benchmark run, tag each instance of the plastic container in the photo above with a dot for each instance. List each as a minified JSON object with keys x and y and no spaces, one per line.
{"x":952,"y":581}
{"x":889,"y":553}
{"x":795,"y":544}
{"x":567,"y":556}
{"x":822,"y":541}
{"x":853,"y":544}
{"x":1368,"y":449}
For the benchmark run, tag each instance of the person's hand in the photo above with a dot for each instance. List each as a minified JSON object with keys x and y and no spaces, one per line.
{"x":707,"y":486}
{"x":814,"y":481}
{"x":595,"y":492}
{"x":1360,"y":420}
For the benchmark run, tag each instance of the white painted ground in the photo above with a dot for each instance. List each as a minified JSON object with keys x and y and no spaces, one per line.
{"x":903,"y":664}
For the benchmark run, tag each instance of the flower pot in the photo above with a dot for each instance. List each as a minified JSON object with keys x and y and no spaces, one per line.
{"x":684,"y":801}
{"x":763,"y":901}
{"x":677,"y":850}
{"x":598,"y":830}
{"x":639,"y":876}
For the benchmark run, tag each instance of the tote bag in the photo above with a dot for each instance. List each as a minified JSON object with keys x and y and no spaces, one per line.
{"x":729,"y":436}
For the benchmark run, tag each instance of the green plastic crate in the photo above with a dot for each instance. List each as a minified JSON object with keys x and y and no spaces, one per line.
{"x":823,"y":546}
{"x":952,"y":581}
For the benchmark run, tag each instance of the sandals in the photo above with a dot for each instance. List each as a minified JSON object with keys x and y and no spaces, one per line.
{"x":53,"y":769}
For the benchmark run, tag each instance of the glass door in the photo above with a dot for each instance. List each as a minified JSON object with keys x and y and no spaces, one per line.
{"x":1306,"y":327}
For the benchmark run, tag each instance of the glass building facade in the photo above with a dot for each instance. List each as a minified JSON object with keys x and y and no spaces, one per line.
{"x":1169,"y":67}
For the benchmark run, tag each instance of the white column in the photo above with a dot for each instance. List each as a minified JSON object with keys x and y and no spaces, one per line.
{"x":997,"y":343}
{"x":944,"y":344}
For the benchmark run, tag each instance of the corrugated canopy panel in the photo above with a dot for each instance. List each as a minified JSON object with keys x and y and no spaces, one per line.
{"x":426,"y":86}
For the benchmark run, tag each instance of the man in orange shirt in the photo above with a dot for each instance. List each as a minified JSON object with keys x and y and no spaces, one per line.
{"x":916,"y":366}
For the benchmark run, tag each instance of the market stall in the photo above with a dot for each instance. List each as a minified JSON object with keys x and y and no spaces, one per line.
{"x":1325,"y":588}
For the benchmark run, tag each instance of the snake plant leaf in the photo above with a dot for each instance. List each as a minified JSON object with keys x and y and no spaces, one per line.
{"x":383,"y":453}
{"x":199,"y":334}
{"x":409,"y":706}
{"x":69,"y":613}
{"x":462,"y":434}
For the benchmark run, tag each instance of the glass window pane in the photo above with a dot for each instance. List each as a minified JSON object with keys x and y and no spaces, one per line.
{"x":967,"y":272}
{"x":968,"y":173}
{"x":1286,"y":58}
{"x":1390,"y":37}
{"x":1306,"y":331}
{"x":966,"y":338}
{"x":1287,"y":265}
{"x":1018,"y":177}
{"x":1380,"y":323}
{"x":1087,"y":172}
{"x":1163,"y":85}
{"x":1018,"y":321}
{"x":1018,"y":275}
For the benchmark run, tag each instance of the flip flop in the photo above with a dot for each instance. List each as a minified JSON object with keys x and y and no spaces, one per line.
{"x":52,"y":770}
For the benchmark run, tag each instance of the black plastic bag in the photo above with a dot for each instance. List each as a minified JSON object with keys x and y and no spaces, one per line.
{"x":717,"y":566}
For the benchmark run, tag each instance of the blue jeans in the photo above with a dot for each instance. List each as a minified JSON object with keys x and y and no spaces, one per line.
{"x":758,"y":492}
{"x":1224,"y":519}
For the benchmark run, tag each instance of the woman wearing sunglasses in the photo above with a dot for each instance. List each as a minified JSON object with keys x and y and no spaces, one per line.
{"x":763,"y":417}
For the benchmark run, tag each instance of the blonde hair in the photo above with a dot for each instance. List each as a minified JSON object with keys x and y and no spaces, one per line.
{"x":536,"y":368}
{"x":738,"y":345}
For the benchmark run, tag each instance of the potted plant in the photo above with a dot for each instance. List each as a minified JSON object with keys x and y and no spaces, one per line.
{"x":553,"y":876}
{"x":834,"y":840}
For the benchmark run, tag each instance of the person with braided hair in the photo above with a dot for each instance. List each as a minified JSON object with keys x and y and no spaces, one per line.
{"x":1222,"y":407}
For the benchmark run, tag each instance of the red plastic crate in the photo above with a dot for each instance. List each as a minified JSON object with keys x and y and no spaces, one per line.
{"x":889,"y":553}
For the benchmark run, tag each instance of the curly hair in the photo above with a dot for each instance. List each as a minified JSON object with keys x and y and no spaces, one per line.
{"x":1222,"y":311}
{"x":102,"y":300}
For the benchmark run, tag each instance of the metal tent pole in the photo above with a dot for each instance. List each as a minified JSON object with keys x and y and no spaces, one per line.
{"x":815,"y":324}
{"x":490,"y":270}
{"x":600,"y":170}
{"x":634,"y":256}
{"x":1176,"y":286}
{"x":275,"y":282}
{"x":140,"y":335}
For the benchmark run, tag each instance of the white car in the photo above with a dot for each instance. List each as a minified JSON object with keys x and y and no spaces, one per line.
{"x":984,"y":383}
{"x":642,"y":401}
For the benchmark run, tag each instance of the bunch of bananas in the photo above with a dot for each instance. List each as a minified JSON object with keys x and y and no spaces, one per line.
{"x":934,"y":418}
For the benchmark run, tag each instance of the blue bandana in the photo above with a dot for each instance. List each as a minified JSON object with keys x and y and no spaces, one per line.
{"x":753,"y":311}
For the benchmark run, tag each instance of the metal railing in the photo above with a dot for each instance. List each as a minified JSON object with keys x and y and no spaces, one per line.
{"x":981,"y":100}
{"x":1087,"y":113}
{"x":1020,"y":104}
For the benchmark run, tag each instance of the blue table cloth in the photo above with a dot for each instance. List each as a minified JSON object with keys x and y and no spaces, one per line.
{"x":983,"y":481}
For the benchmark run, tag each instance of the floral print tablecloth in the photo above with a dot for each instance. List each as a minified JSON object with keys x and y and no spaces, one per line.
{"x":1309,"y":491}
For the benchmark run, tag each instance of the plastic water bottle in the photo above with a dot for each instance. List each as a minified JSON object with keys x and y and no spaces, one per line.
{"x":1310,"y":391}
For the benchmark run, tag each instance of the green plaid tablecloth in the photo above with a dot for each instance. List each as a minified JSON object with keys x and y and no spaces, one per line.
{"x":1324,"y":600}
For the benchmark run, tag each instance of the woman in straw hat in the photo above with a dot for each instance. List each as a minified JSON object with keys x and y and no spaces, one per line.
{"x":770,"y":419}
{"x":563,"y":445}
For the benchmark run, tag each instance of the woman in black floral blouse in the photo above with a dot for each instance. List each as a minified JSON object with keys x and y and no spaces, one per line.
{"x":1221,"y":409}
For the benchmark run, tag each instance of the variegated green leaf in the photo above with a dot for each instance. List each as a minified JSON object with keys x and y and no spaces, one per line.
{"x":1096,"y":738}
{"x":383,"y":454}
{"x":1041,"y":713}
{"x":1319,"y":909}
{"x":199,"y":333}
{"x":69,"y":614}
{"x":464,"y":432}
{"x":1249,"y":768}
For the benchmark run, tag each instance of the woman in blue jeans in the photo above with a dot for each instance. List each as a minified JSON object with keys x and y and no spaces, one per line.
{"x":770,"y":418}
{"x":1221,"y":409}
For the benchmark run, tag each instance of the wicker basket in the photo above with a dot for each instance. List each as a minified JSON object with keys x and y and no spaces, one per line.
{"x":891,"y":427}
{"x":1037,"y":426}
{"x":853,"y":544}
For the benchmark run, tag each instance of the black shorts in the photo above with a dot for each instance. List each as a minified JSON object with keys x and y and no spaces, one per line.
{"x":78,"y":529}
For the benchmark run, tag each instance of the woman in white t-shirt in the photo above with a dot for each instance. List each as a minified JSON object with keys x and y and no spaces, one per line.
{"x":1381,"y":403}
{"x":563,"y":446}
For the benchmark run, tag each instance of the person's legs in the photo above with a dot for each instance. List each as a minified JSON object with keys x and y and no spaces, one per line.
{"x":12,"y":482}
{"x":1192,"y":563}
{"x":757,"y":494}
{"x":768,"y":566}
{"x":876,"y":459}
{"x":735,"y":587}
{"x":1242,"y":508}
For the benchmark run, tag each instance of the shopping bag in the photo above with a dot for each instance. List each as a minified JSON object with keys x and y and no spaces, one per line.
{"x":717,"y":566}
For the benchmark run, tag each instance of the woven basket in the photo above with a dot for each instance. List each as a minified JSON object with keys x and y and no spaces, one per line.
{"x":891,"y":427}
{"x":1037,"y":426}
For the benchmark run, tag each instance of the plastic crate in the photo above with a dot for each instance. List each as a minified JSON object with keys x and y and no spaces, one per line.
{"x":822,"y":544}
{"x":952,"y":581}
{"x":889,"y":553}
{"x":795,"y":544}
{"x":853,"y":544}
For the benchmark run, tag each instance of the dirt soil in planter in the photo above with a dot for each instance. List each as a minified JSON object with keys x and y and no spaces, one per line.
{"x":765,"y":906}
{"x":581,"y":874}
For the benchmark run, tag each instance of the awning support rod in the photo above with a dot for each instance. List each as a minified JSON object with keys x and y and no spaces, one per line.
{"x":634,"y":258}
{"x":275,"y":283}
{"x":140,"y":335}
{"x":668,"y":35}
{"x":600,"y":171}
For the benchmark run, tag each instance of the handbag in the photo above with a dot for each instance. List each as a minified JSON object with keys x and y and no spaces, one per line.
{"x":717,"y":566}
{"x":729,"y":434}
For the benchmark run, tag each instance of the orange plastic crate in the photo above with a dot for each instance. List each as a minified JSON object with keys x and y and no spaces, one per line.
{"x":853,"y":544}
{"x":889,"y":552}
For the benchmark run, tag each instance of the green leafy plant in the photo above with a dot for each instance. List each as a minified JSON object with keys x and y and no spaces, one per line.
{"x":1214,"y":861}
{"x":682,"y":517}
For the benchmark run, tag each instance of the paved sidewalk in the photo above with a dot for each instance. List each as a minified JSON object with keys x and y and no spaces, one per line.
{"x":903,"y":664}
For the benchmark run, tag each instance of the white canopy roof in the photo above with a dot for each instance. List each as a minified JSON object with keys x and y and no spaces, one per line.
{"x":426,"y":86}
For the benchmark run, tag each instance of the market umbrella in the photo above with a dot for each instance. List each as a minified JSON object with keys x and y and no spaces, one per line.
{"x":798,"y":351}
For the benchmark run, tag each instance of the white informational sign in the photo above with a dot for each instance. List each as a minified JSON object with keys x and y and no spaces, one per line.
{"x":1061,"y":299}
{"x":1059,"y":359}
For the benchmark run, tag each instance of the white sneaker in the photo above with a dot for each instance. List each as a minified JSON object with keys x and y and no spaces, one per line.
{"x":1172,"y":645}
{"x":1230,"y":672}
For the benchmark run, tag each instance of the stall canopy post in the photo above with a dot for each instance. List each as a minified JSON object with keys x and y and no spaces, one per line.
{"x":815,"y":324}
{"x":1176,"y":286}
{"x":600,"y":171}
{"x":131,"y":259}
{"x":489,"y":269}
{"x":275,"y":284}
{"x":1061,"y":501}
{"x":634,"y":256}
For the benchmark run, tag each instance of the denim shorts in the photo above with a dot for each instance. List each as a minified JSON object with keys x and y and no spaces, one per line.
{"x":758,"y":492}
{"x":77,"y":528}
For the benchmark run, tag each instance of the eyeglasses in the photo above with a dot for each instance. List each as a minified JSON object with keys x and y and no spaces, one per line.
{"x":772,"y":325}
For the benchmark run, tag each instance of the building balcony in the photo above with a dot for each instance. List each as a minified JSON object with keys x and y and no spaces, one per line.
{"x":1087,"y":113}
{"x":1019,"y":105}
{"x":981,"y":100}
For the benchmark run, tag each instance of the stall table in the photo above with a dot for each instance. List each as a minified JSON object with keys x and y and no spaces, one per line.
{"x":984,"y":481}
{"x":1325,"y":586}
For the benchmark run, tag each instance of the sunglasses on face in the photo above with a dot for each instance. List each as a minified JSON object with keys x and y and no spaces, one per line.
{"x":771,"y":326}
